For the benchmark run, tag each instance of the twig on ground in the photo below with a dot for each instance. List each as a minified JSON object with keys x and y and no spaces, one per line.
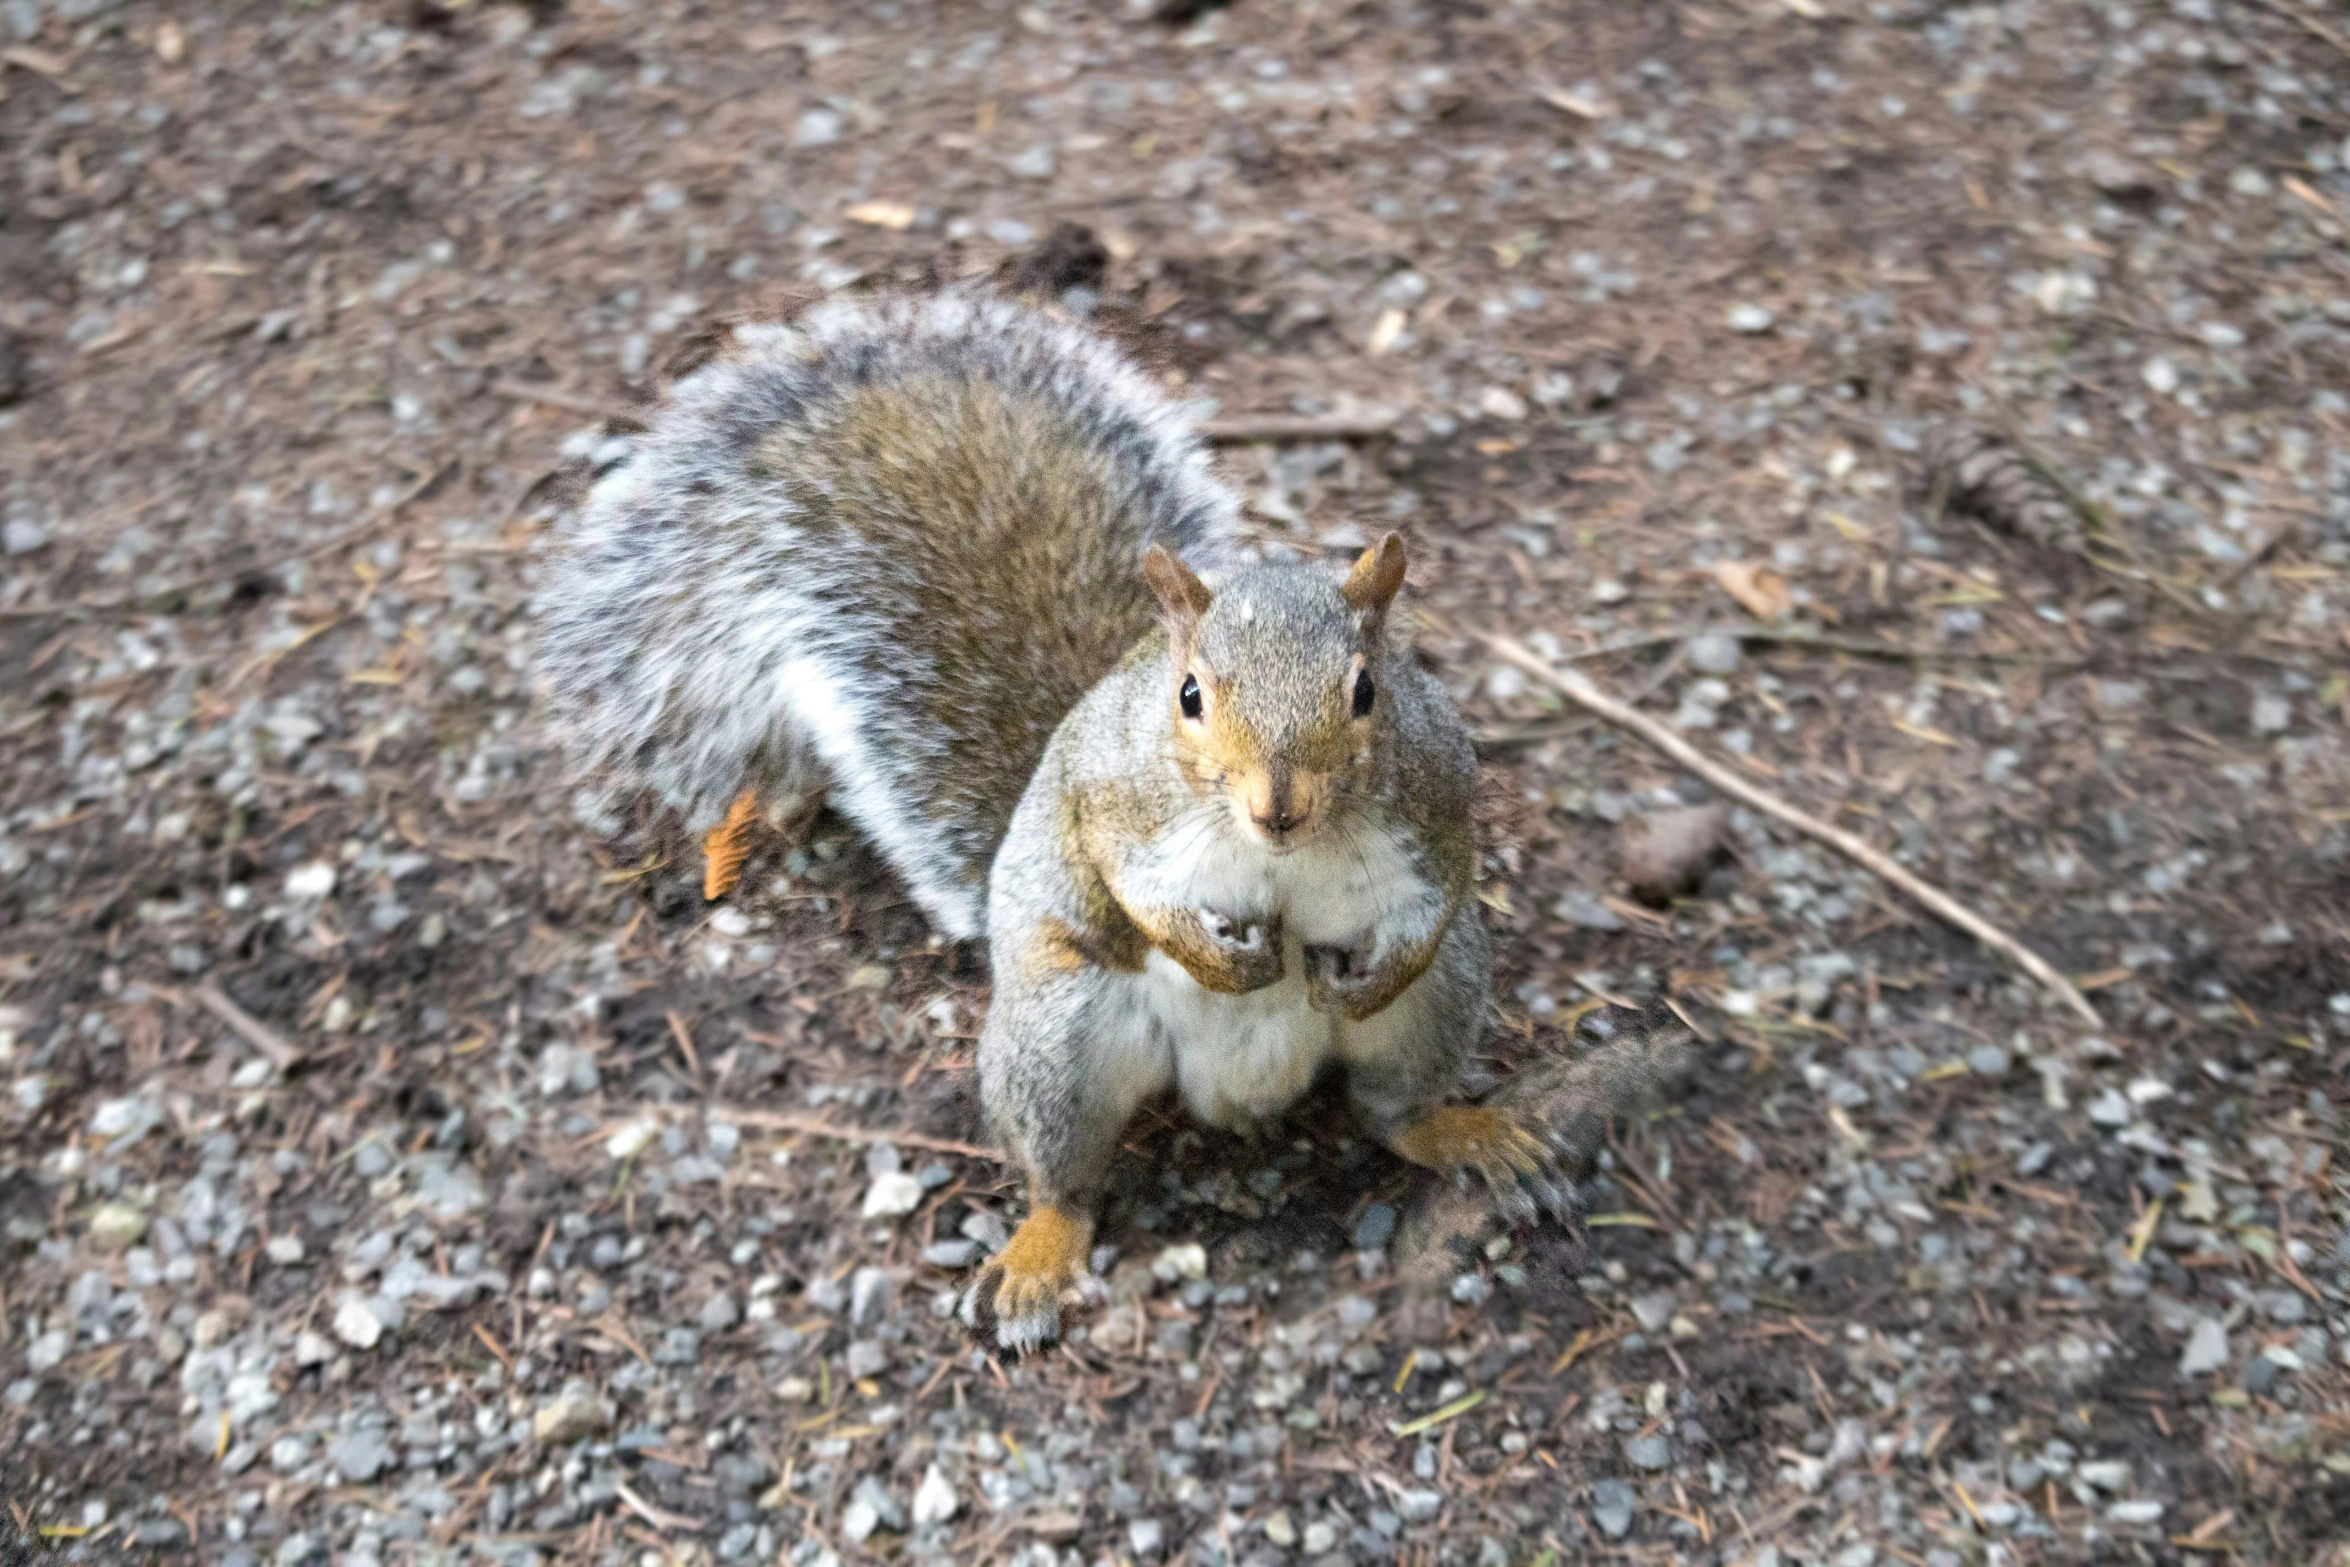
{"x":2307,"y":23}
{"x":553,"y":397}
{"x":1297,"y":427}
{"x":282,"y":1054}
{"x":41,"y":63}
{"x":660,"y":1518}
{"x":1812,"y":642}
{"x":817,"y":1126}
{"x":1576,"y":688}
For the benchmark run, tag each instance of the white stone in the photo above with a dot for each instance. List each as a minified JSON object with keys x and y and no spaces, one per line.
{"x":632,"y":1139}
{"x":1499,"y":402}
{"x":1181,"y":1262}
{"x":2107,"y":1474}
{"x":935,"y":1501}
{"x":356,"y":1324}
{"x":314,"y":880}
{"x":892,"y":1194}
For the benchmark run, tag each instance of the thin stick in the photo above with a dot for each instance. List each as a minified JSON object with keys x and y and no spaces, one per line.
{"x":2307,"y":23}
{"x":1576,"y":688}
{"x":551,"y":397}
{"x":659,"y":1518}
{"x":1809,"y":642}
{"x":817,"y":1126}
{"x":252,"y":1030}
{"x":1296,"y":427}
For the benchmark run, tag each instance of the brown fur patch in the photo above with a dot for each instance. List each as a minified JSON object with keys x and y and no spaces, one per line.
{"x":995,"y":512}
{"x":1062,"y":948}
{"x":1377,"y":575}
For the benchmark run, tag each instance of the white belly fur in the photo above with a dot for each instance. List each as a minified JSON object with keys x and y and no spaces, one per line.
{"x":1241,"y":1060}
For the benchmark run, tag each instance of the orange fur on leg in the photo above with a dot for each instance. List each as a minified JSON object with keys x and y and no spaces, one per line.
{"x":1518,"y":1167}
{"x":1474,"y":1135}
{"x":1021,"y":1287}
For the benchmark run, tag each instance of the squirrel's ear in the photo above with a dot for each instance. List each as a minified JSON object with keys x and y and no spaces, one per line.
{"x":1181,"y":593}
{"x":1378,"y":572}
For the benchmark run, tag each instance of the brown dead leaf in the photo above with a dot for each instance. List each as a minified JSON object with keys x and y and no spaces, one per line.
{"x":1762,"y":591}
{"x":727,"y":845}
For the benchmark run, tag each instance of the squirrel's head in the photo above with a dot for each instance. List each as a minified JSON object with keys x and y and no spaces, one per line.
{"x":1277,"y":682}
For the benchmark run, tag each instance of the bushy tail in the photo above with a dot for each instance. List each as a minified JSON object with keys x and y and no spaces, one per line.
{"x":878,"y":551}
{"x":1572,"y":1100}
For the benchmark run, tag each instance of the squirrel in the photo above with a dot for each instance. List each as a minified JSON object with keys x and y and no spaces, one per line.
{"x":956,"y":564}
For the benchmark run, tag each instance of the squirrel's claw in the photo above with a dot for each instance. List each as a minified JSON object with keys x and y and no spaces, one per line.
{"x":1514,"y":1203}
{"x":1520,"y":1169}
{"x":1338,"y":978}
{"x":1016,"y":1300}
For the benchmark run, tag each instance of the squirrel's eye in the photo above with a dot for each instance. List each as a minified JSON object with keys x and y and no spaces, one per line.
{"x":1365,"y":693}
{"x":1189,"y":696}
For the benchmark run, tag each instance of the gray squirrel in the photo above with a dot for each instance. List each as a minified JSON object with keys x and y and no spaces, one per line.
{"x":927,"y":555}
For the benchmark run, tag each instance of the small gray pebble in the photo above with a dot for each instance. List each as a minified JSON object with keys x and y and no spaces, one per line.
{"x":1581,"y":908}
{"x":1612,"y":1502}
{"x":358,"y":1458}
{"x":870,"y":1297}
{"x":1648,"y":1452}
{"x":1714,"y":653}
{"x":886,"y":1508}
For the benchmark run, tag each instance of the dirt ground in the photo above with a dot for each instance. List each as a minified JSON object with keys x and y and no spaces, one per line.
{"x":402,"y":1165}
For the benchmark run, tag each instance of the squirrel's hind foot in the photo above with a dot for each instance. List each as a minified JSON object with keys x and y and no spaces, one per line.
{"x":1015,"y":1303}
{"x":1516,"y":1162}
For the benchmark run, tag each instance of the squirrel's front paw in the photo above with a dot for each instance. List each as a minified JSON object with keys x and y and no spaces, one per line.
{"x":1343,"y":980}
{"x":1016,"y":1300}
{"x":1247,"y":947}
{"x":1516,"y":1162}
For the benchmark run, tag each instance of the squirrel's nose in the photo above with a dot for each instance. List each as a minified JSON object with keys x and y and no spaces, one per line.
{"x":1278,"y":824}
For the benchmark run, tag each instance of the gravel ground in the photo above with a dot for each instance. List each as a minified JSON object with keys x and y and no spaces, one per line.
{"x":1940,"y":412}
